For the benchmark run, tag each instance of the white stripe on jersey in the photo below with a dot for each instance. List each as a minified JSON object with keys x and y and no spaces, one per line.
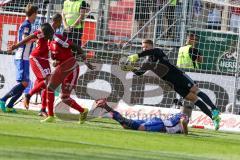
{"x":63,"y":43}
{"x":39,"y":67}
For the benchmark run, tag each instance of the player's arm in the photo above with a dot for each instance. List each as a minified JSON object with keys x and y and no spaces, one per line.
{"x":64,"y":21}
{"x":83,"y":11}
{"x":23,"y":42}
{"x":199,"y":57}
{"x":135,"y":57}
{"x":184,"y":123}
{"x":82,"y":55}
{"x":141,"y":70}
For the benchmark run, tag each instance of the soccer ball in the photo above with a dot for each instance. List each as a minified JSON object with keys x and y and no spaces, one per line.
{"x":125,"y":65}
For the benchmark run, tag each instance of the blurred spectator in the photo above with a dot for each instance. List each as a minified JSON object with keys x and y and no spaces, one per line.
{"x":165,"y":19}
{"x":88,"y":12}
{"x":188,"y":55}
{"x":73,"y":15}
{"x":197,"y":7}
{"x":170,"y":15}
{"x":235,"y":18}
{"x":142,"y":15}
{"x":214,"y":16}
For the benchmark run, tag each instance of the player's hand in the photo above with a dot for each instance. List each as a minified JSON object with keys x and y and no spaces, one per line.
{"x":90,"y":66}
{"x":11,"y":48}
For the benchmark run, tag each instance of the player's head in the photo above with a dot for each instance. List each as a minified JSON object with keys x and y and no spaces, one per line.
{"x":192,"y":39}
{"x":47,"y":30}
{"x":31,"y":12}
{"x":57,"y":20}
{"x":147,"y":44}
{"x":187,"y":109}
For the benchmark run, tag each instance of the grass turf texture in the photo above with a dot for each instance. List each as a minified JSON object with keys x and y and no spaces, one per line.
{"x":22,"y":136}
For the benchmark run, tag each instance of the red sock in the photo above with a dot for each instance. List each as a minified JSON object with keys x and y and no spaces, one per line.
{"x":38,"y":86}
{"x":44,"y":99}
{"x":50,"y":101}
{"x":73,"y":104}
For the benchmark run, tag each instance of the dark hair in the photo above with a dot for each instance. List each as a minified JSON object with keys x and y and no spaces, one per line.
{"x":57,"y":17}
{"x":148,"y":41}
{"x":30,"y":9}
{"x":192,"y":35}
{"x":47,"y":30}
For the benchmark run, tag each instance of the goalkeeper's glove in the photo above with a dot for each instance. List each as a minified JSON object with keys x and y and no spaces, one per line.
{"x":127,"y":68}
{"x":133,"y":58}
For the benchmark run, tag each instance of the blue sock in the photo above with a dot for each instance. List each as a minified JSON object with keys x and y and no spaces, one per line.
{"x":124,"y":121}
{"x":13,"y":100}
{"x":203,"y":108}
{"x":206,"y":100}
{"x":19,"y":88}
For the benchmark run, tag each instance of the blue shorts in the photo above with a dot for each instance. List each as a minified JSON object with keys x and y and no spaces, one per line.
{"x":22,"y":70}
{"x":152,"y":125}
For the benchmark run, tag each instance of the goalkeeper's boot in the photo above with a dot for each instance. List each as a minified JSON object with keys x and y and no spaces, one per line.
{"x":49,"y":119}
{"x":43,"y":113}
{"x":3,"y":106}
{"x":26,"y":101}
{"x":10,"y":110}
{"x":216,"y":118}
{"x":83,"y":116}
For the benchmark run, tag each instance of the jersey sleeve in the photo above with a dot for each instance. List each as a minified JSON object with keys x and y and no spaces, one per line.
{"x":143,"y":69}
{"x":64,"y":42}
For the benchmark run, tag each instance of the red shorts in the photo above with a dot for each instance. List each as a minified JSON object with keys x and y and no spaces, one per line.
{"x":66,"y":74}
{"x":70,"y":82}
{"x":40,"y":67}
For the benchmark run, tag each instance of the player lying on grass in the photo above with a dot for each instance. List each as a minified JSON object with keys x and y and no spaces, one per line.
{"x":158,"y":63}
{"x":177,"y":123}
{"x":39,"y":62}
{"x":66,"y":74}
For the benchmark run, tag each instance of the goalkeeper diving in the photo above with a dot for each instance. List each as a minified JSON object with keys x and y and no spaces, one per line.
{"x":157,"y":62}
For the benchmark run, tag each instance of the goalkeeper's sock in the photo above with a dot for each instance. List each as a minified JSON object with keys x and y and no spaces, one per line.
{"x":203,"y":108}
{"x":206,"y":99}
{"x":39,"y":85}
{"x":19,"y":88}
{"x":126,"y":123}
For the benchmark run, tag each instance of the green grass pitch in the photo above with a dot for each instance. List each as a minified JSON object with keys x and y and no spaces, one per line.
{"x":22,"y":136}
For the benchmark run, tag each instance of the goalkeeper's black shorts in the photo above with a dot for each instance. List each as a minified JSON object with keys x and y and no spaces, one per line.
{"x":180,"y":82}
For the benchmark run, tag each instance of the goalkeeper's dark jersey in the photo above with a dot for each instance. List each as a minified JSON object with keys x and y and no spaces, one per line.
{"x":157,"y":62}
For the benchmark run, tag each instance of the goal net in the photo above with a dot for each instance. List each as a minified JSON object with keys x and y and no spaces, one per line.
{"x":115,"y":28}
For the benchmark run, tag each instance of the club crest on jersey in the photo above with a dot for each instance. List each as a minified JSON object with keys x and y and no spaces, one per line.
{"x":26,"y":30}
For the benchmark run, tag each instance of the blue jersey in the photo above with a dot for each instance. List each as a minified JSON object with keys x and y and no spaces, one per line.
{"x":170,"y":125}
{"x":24,"y":51}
